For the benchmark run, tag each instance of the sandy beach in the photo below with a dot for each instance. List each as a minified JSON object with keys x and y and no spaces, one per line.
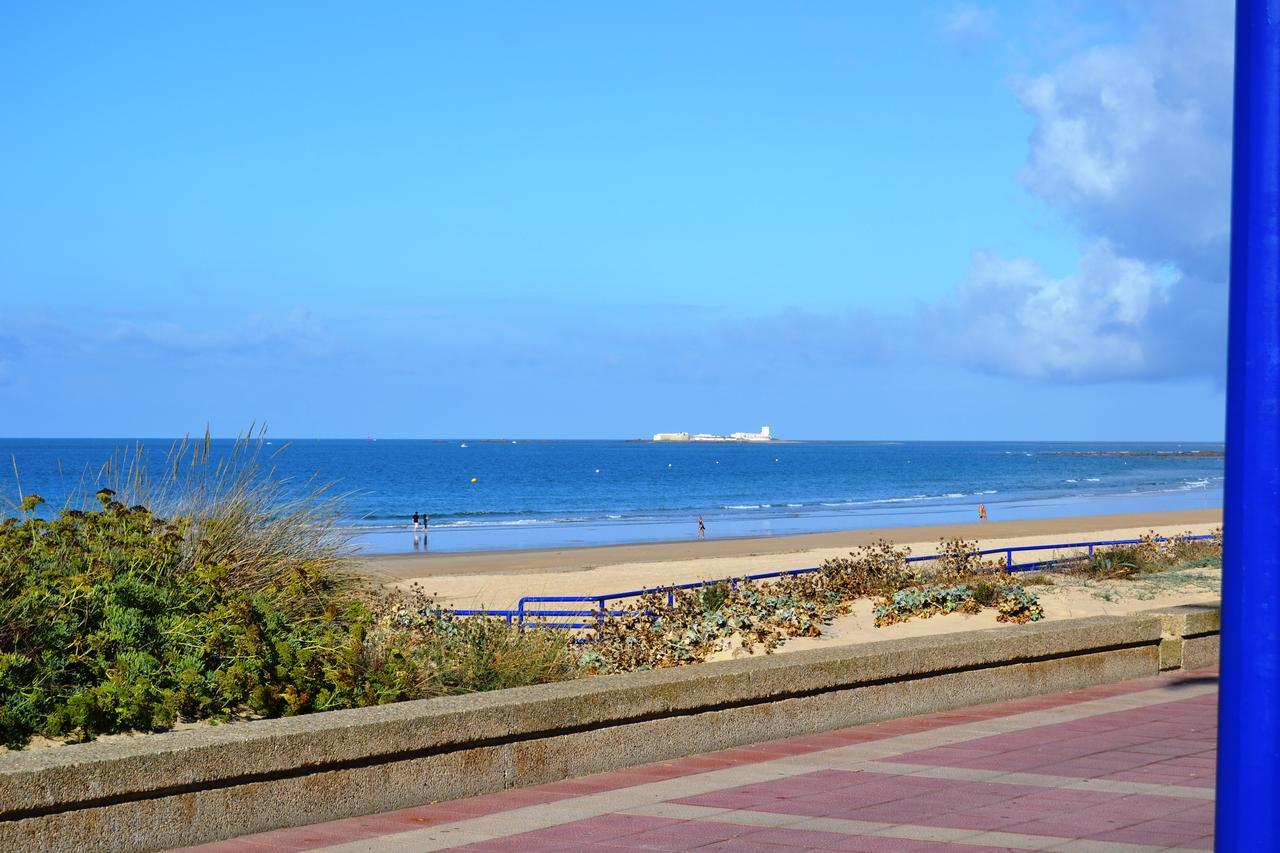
{"x":497,"y":579}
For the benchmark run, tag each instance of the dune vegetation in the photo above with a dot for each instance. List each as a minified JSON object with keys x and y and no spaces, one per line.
{"x":692,"y":624}
{"x":216,"y":591}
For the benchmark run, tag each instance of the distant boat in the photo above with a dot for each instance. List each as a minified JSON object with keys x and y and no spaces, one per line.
{"x":464,"y":444}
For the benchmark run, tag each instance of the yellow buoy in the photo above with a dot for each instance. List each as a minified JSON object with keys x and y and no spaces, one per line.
{"x":473,"y":479}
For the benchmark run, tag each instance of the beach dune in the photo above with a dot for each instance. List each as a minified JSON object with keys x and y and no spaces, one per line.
{"x":498,"y":579}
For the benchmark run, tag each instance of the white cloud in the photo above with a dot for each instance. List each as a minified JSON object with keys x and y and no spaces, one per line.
{"x":1009,"y":317}
{"x":1132,"y":143}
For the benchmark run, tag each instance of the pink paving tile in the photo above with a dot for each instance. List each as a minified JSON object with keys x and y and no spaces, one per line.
{"x":577,"y":787}
{"x":1183,"y":830}
{"x":955,"y":803}
{"x":974,"y":796}
{"x":1154,"y":777}
{"x":350,"y":829}
{"x":1056,"y":827}
{"x":1127,"y":810}
{"x":808,"y":839}
{"x":501,"y":801}
{"x":604,"y":829}
{"x":510,"y":845}
{"x":740,"y":845}
{"x":751,"y":801}
{"x":802,"y":839}
{"x":284,"y":840}
{"x":1144,"y":834}
{"x":686,"y":835}
{"x":703,"y":763}
{"x":1093,"y":748}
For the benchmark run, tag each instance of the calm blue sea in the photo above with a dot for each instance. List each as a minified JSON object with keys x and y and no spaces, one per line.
{"x":569,"y":493}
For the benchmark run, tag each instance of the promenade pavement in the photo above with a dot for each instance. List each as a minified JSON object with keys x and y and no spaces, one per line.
{"x":1119,"y":768}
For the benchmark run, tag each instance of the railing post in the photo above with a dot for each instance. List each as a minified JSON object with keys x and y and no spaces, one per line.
{"x":1008,"y":560}
{"x":1249,"y":702}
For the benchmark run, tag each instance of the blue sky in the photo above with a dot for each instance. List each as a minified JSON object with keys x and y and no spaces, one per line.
{"x":846,"y":220}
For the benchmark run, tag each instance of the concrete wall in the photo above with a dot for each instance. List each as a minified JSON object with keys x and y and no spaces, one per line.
{"x":217,"y":782}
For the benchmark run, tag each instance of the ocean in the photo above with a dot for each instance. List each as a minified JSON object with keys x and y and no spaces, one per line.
{"x":507,"y":494}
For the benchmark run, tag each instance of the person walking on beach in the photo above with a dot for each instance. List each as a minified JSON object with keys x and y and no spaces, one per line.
{"x":702,"y":528}
{"x":982,"y":512}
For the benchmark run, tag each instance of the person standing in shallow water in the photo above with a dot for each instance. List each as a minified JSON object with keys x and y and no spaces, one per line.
{"x":702,"y":528}
{"x":982,"y":512}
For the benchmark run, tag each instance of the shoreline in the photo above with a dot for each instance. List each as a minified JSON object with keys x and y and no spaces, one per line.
{"x":394,"y":568}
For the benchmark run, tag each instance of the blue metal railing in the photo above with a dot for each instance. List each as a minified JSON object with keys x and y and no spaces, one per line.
{"x":596,"y":615}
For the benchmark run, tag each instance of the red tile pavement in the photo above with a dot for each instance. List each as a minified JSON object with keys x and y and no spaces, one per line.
{"x":1168,"y":741}
{"x":1169,"y":744}
{"x":870,"y":796}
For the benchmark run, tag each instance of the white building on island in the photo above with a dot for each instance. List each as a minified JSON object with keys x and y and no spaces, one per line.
{"x":762,"y":435}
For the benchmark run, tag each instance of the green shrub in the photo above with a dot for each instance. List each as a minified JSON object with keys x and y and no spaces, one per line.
{"x":985,"y":593}
{"x":711,"y":598}
{"x":871,"y":570}
{"x":1013,"y":603}
{"x":958,"y":561}
{"x":236,"y":604}
{"x":1151,"y":554}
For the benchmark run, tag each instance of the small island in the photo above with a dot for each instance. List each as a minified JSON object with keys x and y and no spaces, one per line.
{"x":762,"y":435}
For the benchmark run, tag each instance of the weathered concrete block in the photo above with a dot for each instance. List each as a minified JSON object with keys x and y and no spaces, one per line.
{"x":1201,"y":652}
{"x":1189,"y":635}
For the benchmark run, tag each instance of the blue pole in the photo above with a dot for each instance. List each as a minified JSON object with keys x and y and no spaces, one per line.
{"x":1248,"y":816}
